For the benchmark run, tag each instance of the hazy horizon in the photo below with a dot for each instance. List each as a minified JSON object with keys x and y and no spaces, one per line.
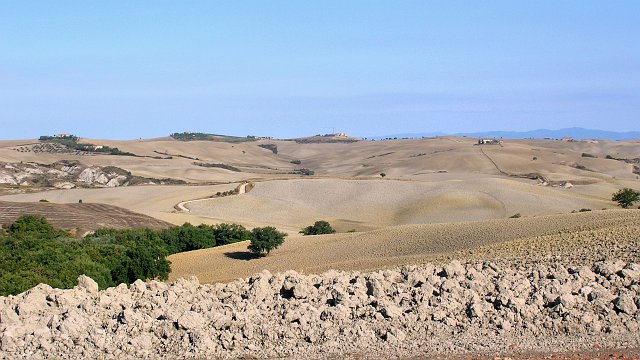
{"x":127,"y":70}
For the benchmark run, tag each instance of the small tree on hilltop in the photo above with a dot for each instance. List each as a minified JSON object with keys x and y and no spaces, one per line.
{"x":319,"y":227}
{"x":265,"y":239}
{"x":626,"y":197}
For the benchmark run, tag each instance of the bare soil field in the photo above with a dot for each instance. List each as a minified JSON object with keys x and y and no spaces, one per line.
{"x":80,"y":217}
{"x":589,"y":236}
{"x":154,"y":200}
{"x":369,"y":204}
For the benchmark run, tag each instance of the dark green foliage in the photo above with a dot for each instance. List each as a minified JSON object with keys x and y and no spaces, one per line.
{"x":31,"y":226}
{"x":71,"y":142}
{"x":188,"y":237}
{"x":33,"y":252}
{"x":272,"y":147}
{"x":515,"y":216}
{"x":265,"y":239}
{"x":221,"y":166}
{"x":383,"y":174}
{"x":318,"y":228}
{"x":231,"y":233}
{"x":198,"y":136}
{"x":297,"y":162}
{"x":626,"y":197}
{"x":142,"y":254}
{"x":588,"y":155}
{"x":303,"y":171}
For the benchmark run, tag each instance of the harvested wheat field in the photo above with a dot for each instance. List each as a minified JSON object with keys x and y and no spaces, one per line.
{"x":157,"y":201}
{"x":80,"y":217}
{"x":595,"y":235}
{"x":369,"y":204}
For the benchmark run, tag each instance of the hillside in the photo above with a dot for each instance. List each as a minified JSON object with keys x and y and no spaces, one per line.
{"x":427,"y":180}
{"x":80,"y":217}
{"x":590,"y":236}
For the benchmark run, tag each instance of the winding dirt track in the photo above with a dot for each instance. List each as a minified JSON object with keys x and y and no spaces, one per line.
{"x":181,"y":206}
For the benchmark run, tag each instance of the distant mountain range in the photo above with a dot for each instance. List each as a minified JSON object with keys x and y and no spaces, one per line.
{"x":575,"y":132}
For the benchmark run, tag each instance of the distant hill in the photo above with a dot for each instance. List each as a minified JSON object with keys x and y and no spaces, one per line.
{"x":575,"y":132}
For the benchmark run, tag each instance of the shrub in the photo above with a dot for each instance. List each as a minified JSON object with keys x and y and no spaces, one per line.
{"x":318,"y":228}
{"x":230,"y":233}
{"x":297,"y":162}
{"x":588,"y":155}
{"x":33,"y":252}
{"x":265,"y":239}
{"x":626,"y":197}
{"x":382,"y":174}
{"x":515,"y":216}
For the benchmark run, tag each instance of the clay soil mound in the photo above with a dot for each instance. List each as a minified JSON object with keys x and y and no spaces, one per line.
{"x":459,"y":310}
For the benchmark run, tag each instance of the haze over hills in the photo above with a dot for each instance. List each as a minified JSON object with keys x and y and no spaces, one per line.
{"x":574,"y":132}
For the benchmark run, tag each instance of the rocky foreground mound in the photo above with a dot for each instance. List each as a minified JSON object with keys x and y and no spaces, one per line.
{"x":478,"y":308}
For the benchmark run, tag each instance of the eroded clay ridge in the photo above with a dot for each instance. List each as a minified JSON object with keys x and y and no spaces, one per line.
{"x":411,"y":311}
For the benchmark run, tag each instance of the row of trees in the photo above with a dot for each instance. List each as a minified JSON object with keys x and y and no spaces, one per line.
{"x":32,"y":252}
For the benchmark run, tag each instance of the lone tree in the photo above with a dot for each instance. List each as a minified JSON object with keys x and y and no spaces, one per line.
{"x":626,"y":197}
{"x":265,"y":239}
{"x":382,"y":174}
{"x":319,"y":227}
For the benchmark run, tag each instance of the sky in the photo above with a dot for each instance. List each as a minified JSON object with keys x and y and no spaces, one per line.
{"x":131,"y":69}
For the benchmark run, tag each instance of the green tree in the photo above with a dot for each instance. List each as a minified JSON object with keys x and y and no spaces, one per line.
{"x":319,"y":227}
{"x":265,"y":239}
{"x":34,"y":225}
{"x":230,"y":233}
{"x":626,"y":197}
{"x":383,"y":174}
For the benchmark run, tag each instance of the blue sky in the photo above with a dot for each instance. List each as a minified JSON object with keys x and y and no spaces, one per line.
{"x":129,"y":69}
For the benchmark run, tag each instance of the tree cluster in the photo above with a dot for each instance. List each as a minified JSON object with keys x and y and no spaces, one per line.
{"x":318,"y":228}
{"x":33,"y":252}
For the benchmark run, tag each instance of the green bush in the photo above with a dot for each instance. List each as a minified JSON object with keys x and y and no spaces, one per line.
{"x":515,"y":216}
{"x":231,"y":233}
{"x":33,"y":252}
{"x":265,"y":239}
{"x":319,"y":227}
{"x":626,"y":197}
{"x":588,"y":155}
